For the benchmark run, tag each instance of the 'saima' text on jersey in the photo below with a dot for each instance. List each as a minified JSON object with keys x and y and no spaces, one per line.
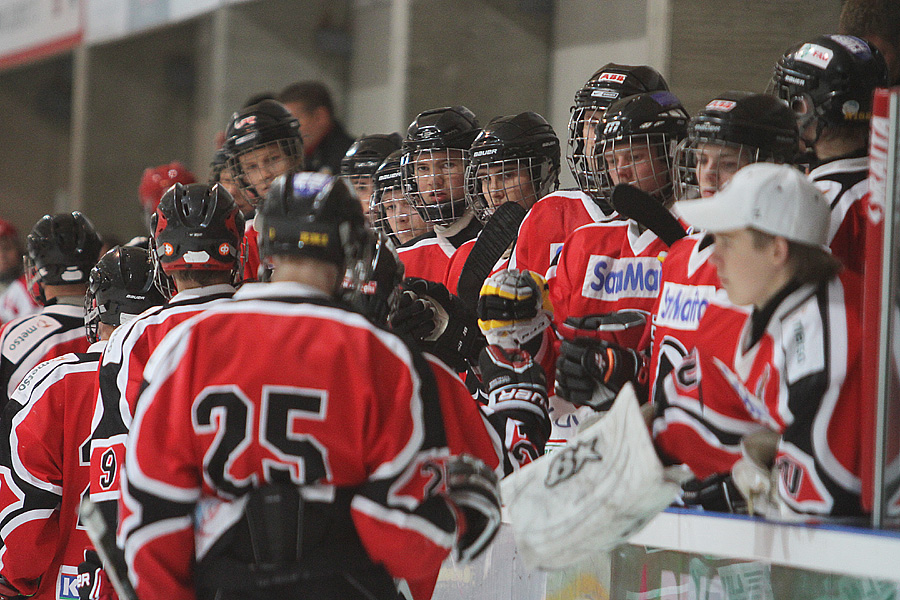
{"x":610,"y":278}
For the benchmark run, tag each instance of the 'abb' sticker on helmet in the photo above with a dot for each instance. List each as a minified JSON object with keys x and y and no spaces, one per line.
{"x":817,"y":56}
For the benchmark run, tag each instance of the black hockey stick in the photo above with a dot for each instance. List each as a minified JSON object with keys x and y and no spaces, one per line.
{"x":640,"y":206}
{"x":110,"y":554}
{"x":498,"y":233}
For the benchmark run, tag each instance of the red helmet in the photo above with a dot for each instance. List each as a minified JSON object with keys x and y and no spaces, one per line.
{"x":156,"y":180}
{"x":7,"y":229}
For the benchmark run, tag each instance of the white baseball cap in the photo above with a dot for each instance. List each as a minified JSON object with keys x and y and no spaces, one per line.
{"x":775,"y":199}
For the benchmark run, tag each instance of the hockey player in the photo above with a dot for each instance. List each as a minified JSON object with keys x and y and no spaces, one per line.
{"x":390,"y":209}
{"x":60,"y":252}
{"x":433,"y":168}
{"x":515,"y":158}
{"x":551,"y":220}
{"x":262,"y":141}
{"x":796,"y":362}
{"x":368,"y":463}
{"x":363,"y":158}
{"x":701,"y":427}
{"x":47,"y":427}
{"x":196,"y":233}
{"x":829,"y":82}
{"x":614,"y":266}
{"x":219,"y":173}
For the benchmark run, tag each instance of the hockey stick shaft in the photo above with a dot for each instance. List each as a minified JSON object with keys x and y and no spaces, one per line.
{"x":640,"y":206}
{"x":110,"y":554}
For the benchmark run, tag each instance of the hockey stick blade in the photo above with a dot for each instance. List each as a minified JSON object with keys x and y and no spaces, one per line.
{"x":498,"y":233}
{"x":640,"y":206}
{"x":111,"y":555}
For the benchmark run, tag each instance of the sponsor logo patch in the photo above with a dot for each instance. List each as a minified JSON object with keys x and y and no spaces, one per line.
{"x":607,"y":278}
{"x":815,"y":55}
{"x":682,"y":306}
{"x":614,"y":77}
{"x":721,"y":105}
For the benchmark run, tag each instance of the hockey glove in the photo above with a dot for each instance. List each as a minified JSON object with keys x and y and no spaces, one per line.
{"x":607,"y":326}
{"x":586,"y":365}
{"x":516,"y":388}
{"x":716,"y":493}
{"x":439,"y":320}
{"x":7,"y":591}
{"x":473,"y":489}
{"x":92,"y":582}
{"x":513,"y":307}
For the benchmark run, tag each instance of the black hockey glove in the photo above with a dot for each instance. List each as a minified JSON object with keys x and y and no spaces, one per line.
{"x":606,"y":326}
{"x":92,"y":582}
{"x":717,"y":493}
{"x":474,"y":490}
{"x":429,"y":313}
{"x":587,"y":365}
{"x":516,"y":388}
{"x":8,"y":592}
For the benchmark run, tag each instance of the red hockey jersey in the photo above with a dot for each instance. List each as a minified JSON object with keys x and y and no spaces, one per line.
{"x":606,"y":267}
{"x":801,"y":379}
{"x":844,"y":182}
{"x":377,"y":427}
{"x":44,"y":474}
{"x":121,"y":375}
{"x":547,"y":225}
{"x":699,"y":419}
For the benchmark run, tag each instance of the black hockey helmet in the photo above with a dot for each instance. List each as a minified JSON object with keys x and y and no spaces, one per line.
{"x":440,"y":136}
{"x":439,"y":128}
{"x":513,"y":142}
{"x":196,"y":227}
{"x":611,"y":82}
{"x":314,"y":215}
{"x":368,"y":152}
{"x":61,"y":249}
{"x":265,"y":124}
{"x":121,"y":286}
{"x":758,"y":128}
{"x":830,"y":78}
{"x":217,"y":165}
{"x":655,"y":120}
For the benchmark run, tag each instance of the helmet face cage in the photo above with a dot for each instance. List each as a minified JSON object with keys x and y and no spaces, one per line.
{"x":255,"y":169}
{"x":642,"y":160}
{"x":492,"y":183}
{"x":33,"y":281}
{"x":580,"y":147}
{"x":393,"y":215}
{"x":434,"y":182}
{"x":702,"y":167}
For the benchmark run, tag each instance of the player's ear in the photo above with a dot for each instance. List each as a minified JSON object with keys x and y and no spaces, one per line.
{"x":779,"y":250}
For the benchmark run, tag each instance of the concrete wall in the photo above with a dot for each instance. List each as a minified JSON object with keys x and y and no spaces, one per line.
{"x":734,"y":44}
{"x":34,"y":155}
{"x":166,"y":93}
